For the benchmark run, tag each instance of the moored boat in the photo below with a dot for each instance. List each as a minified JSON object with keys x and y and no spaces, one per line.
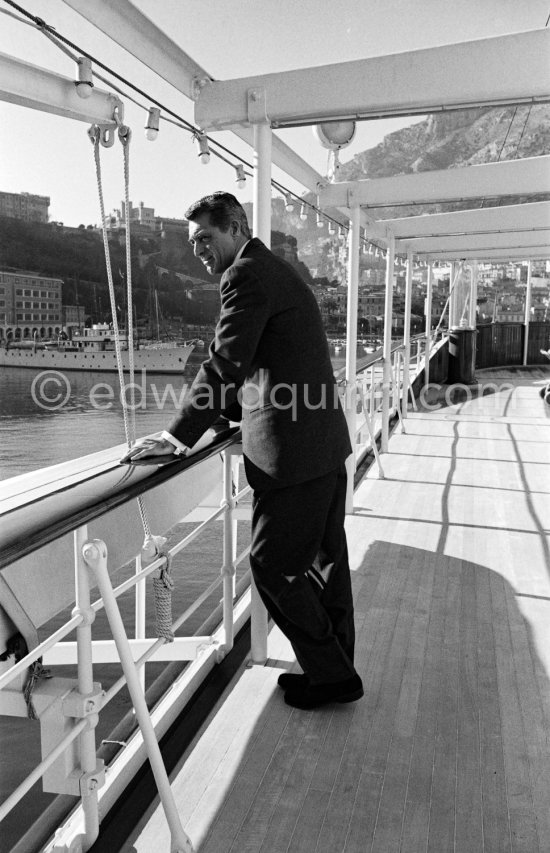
{"x":94,"y":349}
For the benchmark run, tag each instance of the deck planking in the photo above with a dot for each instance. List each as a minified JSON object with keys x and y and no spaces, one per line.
{"x":449,"y":748}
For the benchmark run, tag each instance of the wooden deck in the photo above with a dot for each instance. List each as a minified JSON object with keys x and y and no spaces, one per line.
{"x":449,"y":750}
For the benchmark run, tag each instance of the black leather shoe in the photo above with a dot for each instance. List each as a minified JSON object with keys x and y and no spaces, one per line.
{"x":314,"y":695}
{"x":292,"y":680}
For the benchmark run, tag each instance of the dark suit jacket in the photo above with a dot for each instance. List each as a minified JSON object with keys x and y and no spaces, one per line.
{"x":270,"y":354}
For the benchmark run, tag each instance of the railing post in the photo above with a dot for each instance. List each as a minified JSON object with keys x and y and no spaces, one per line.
{"x":428,"y":313}
{"x":407,"y":335}
{"x":95,"y":556}
{"x":140,"y":613}
{"x":527,"y":313}
{"x":228,"y":565}
{"x":258,"y":626}
{"x":85,"y":678}
{"x":387,"y":370}
{"x":351,"y":350}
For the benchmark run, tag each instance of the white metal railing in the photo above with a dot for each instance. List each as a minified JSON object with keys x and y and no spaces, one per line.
{"x":80,"y":705}
{"x":367,"y":394}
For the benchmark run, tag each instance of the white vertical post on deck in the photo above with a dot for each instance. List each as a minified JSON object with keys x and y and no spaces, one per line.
{"x":354,"y":245}
{"x":262,"y":229}
{"x":387,"y":372}
{"x":140,"y":613}
{"x":228,"y":562}
{"x":473,"y":296}
{"x":261,"y":222}
{"x":407,"y":335}
{"x":85,"y":679}
{"x":527,"y":312}
{"x":428,"y":316}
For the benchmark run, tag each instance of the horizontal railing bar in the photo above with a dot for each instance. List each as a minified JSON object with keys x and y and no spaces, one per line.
{"x":40,"y":769}
{"x":37,"y":652}
{"x":144,"y":476}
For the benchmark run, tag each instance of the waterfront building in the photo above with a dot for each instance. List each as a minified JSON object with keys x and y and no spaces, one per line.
{"x":29,"y":303}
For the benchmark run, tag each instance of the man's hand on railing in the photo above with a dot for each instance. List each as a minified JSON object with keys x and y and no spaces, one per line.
{"x":150,"y":447}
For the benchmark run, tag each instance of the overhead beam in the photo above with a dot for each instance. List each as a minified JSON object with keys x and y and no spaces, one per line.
{"x":486,"y":220}
{"x":142,"y":38}
{"x":458,"y":243}
{"x":511,"y":253}
{"x":39,"y":89}
{"x":509,"y":177}
{"x":509,"y":69}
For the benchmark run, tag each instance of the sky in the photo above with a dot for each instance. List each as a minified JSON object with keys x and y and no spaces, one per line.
{"x":49,"y":155}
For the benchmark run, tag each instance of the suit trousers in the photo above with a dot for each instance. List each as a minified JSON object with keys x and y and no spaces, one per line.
{"x":299,"y":561}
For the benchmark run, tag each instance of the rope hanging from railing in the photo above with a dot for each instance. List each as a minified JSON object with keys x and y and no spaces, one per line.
{"x":153,"y":546}
{"x":36,"y":672}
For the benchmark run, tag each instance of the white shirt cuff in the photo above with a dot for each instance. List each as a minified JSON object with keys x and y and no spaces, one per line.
{"x":179,"y":447}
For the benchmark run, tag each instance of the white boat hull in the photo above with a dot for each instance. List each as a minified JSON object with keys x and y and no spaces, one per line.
{"x":171,"y":360}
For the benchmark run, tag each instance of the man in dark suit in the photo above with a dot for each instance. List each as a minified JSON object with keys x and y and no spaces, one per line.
{"x":269,"y":362}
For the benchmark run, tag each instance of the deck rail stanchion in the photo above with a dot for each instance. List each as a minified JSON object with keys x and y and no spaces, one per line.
{"x":428,"y":313}
{"x":140,"y":612}
{"x":407,"y":333}
{"x":258,"y":626}
{"x":387,"y":370}
{"x":85,"y":678}
{"x":95,"y":556}
{"x":351,"y":350}
{"x":228,"y":563}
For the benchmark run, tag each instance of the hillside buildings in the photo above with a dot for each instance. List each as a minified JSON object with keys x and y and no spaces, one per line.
{"x":25,"y":206}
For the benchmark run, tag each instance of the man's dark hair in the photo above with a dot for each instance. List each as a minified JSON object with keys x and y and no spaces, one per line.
{"x":222,"y":207}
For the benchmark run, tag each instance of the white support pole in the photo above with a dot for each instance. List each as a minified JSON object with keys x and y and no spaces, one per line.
{"x":354,"y":247}
{"x":387,"y":371}
{"x":473,"y":296}
{"x":407,"y":336}
{"x":527,"y":313}
{"x":140,"y":613}
{"x":262,"y":182}
{"x":95,"y":556}
{"x":263,"y":138}
{"x":228,"y":564}
{"x":87,"y":745}
{"x":258,"y":627}
{"x":428,"y":315}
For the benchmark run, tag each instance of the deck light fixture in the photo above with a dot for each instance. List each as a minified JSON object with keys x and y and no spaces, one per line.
{"x":153,"y":122}
{"x":303,"y":212}
{"x":335,"y":134}
{"x":204,"y":150}
{"x":289,"y":203}
{"x":241,"y":177}
{"x":85,"y":82}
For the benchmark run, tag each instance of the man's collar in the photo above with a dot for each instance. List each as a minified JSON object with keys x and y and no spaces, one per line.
{"x":241,"y":250}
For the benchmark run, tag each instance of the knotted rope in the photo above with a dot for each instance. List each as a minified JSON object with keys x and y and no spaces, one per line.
{"x":155,"y":547}
{"x":36,"y":672}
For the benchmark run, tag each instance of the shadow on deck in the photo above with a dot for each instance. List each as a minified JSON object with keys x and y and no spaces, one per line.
{"x":449,"y":749}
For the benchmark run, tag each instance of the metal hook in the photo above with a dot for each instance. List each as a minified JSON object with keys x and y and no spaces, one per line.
{"x":124,"y":134}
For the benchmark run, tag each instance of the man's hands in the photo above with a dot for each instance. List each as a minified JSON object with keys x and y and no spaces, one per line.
{"x":149,"y":447}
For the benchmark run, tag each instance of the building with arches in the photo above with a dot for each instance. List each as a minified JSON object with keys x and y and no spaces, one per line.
{"x":30,"y":305}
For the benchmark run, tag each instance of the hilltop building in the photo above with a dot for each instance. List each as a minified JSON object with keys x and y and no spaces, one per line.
{"x":25,"y":206}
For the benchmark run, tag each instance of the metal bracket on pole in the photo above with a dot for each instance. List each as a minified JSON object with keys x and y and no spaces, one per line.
{"x":257,"y":105}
